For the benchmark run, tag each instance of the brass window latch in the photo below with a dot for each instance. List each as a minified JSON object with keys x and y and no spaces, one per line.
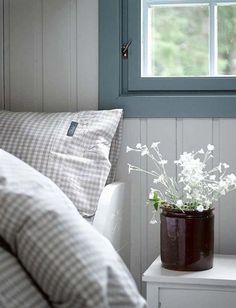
{"x":125,"y":49}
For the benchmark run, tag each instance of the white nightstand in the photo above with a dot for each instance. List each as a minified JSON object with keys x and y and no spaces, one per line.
{"x":214,"y":288}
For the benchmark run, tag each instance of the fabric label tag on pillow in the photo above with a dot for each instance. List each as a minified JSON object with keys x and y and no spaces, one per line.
{"x":72,"y":128}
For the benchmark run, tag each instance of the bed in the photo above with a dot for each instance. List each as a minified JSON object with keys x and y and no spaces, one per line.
{"x":112,"y":218}
{"x":62,"y":216}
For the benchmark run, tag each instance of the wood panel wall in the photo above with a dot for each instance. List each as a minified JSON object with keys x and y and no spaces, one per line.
{"x":48,"y":45}
{"x":1,"y":57}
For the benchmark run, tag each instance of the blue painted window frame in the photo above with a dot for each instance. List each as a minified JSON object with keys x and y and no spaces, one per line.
{"x":119,"y":88}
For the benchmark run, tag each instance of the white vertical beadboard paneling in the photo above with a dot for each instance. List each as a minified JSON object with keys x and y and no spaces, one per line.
{"x":179,"y":138}
{"x":1,"y":58}
{"x":73,"y":54}
{"x":131,"y":136}
{"x":87,"y":48}
{"x":143,"y":208}
{"x":59,"y":75}
{"x":216,"y":160}
{"x":228,"y":202}
{"x":22,"y":36}
{"x":163,"y":130}
{"x":197,"y":134}
{"x":6,"y":51}
{"x":51,"y":56}
{"x":38,"y":63}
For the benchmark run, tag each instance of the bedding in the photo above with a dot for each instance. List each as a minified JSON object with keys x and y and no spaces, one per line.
{"x":72,"y":264}
{"x":72,"y":149}
{"x":16,"y":287}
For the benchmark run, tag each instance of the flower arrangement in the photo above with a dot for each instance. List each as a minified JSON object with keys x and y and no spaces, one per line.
{"x":195,"y":188}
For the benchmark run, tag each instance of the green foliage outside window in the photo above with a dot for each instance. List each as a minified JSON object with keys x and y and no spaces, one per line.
{"x":227,"y":40}
{"x":180,"y":40}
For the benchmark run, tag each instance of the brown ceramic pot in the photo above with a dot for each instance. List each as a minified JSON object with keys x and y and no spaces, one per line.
{"x":187,"y":240}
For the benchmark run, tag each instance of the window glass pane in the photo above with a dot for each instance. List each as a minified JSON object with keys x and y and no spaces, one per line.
{"x":177,"y":41}
{"x":227,"y":39}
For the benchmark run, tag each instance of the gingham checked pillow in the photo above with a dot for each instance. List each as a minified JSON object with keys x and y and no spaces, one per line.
{"x":70,"y":261}
{"x":72,"y":149}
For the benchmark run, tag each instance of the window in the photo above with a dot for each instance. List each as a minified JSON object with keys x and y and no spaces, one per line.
{"x":181,"y":60}
{"x":186,"y":38}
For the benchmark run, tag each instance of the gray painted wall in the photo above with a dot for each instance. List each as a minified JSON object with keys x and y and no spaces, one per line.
{"x":51,"y":64}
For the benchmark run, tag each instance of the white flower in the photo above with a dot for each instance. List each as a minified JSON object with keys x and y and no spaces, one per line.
{"x":219,"y":167}
{"x":231,"y":179}
{"x":200,"y":208}
{"x":153,"y":221}
{"x":179,"y":203}
{"x":184,"y":158}
{"x":128,"y":149}
{"x":151,"y":194}
{"x":210,"y":147}
{"x":226,"y":166}
{"x":130,"y":168}
{"x":188,"y":196}
{"x":187,"y":188}
{"x":160,"y":179}
{"x":223,"y":184}
{"x":193,"y":185}
{"x":208,"y":203}
{"x":155,"y":145}
{"x":144,"y":150}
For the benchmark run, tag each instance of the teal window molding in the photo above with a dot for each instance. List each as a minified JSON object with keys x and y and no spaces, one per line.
{"x":122,"y":86}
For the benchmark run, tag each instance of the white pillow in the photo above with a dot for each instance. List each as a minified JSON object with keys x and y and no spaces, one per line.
{"x":72,"y":149}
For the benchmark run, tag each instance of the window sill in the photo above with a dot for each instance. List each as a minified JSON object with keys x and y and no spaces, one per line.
{"x":168,"y":106}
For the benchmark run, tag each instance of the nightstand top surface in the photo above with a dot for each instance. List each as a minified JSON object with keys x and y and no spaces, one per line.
{"x":223,"y":273}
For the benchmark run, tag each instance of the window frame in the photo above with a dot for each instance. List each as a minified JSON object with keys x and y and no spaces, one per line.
{"x":118,"y":87}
